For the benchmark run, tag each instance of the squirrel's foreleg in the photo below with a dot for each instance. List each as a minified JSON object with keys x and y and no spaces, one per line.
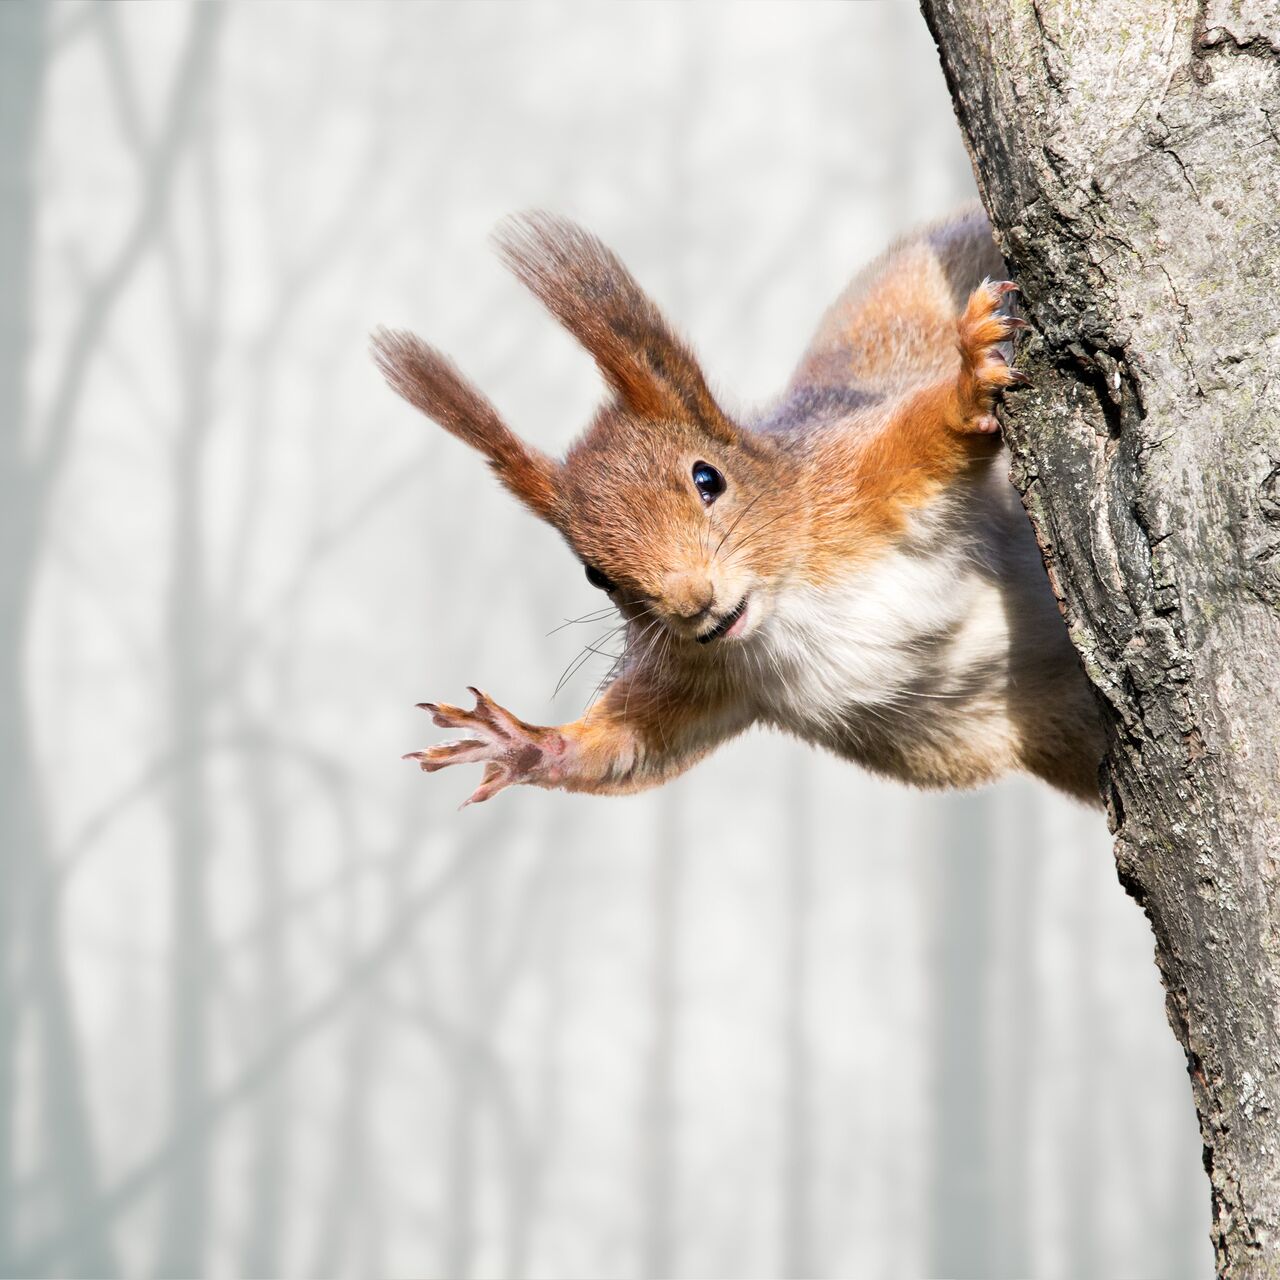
{"x":635,"y":736}
{"x":939,"y":429}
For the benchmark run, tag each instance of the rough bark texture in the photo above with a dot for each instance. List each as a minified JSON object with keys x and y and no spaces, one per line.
{"x":1129,"y":156}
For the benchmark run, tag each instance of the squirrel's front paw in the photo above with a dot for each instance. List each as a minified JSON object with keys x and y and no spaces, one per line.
{"x":510,"y":750}
{"x":984,"y":371}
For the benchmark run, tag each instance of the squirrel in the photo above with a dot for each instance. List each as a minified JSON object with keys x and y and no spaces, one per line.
{"x":852,"y":566}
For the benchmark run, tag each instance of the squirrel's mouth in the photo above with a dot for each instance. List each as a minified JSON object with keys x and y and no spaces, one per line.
{"x":726,"y":624}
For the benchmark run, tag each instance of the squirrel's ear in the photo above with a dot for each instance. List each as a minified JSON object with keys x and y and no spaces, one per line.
{"x":431,"y":382}
{"x":586,"y":287}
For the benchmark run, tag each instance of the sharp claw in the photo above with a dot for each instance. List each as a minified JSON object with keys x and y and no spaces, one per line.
{"x":986,"y":337}
{"x":485,"y":708}
{"x":425,"y":706}
{"x":498,"y":718}
{"x":495,"y":779}
{"x":446,"y":716}
{"x":424,"y":761}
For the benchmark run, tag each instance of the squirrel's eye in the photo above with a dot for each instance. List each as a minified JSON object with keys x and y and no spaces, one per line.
{"x":597,"y":579}
{"x":708,"y":482}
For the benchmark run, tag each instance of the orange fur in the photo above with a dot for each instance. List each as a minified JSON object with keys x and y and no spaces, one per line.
{"x":901,"y":324}
{"x":586,"y":287}
{"x":927,"y":435}
{"x":431,"y":383}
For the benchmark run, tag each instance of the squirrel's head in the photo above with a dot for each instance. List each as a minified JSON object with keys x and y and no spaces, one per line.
{"x":675,"y":511}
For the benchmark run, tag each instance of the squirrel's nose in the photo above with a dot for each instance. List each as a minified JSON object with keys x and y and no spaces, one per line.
{"x":689,"y":595}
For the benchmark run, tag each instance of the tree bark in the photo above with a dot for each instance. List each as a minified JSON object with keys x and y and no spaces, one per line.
{"x":1129,"y":157}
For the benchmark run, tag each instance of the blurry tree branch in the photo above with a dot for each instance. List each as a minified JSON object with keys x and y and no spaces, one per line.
{"x":326,"y":542}
{"x":332,"y":787}
{"x":75,"y":22}
{"x":302,"y":271}
{"x":369,"y":964}
{"x":1129,"y":159}
{"x":30,"y":465}
{"x":156,"y":182}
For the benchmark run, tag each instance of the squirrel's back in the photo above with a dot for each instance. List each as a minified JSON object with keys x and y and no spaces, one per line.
{"x":894,"y":324}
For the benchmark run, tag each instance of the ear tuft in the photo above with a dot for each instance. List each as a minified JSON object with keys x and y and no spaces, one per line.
{"x":432,"y":383}
{"x":587,"y":288}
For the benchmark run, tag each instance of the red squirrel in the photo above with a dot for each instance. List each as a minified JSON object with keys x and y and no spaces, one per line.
{"x":852,"y":565}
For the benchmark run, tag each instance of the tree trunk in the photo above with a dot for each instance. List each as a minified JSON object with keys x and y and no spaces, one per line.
{"x":1129,"y":157}
{"x":22,"y":60}
{"x":196,"y":310}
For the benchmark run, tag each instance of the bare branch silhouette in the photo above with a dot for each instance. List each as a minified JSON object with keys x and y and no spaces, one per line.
{"x":245,"y":1082}
{"x":156,"y":185}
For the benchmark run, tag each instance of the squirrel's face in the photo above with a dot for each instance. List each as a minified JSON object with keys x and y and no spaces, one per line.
{"x":675,"y":511}
{"x":677,"y":526}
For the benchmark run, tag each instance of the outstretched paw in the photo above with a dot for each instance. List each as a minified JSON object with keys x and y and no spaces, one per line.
{"x":511,"y":751}
{"x":984,"y":371}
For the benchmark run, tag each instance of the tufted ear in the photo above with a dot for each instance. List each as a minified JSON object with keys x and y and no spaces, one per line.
{"x":586,"y":287}
{"x":431,"y":382}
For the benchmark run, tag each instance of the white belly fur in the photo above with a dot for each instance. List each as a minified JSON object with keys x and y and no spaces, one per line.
{"x":920,"y":661}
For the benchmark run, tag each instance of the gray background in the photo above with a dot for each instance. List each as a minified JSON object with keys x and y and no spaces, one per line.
{"x":271,"y":1005}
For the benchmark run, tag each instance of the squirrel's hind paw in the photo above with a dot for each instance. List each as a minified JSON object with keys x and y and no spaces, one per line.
{"x":984,"y":370}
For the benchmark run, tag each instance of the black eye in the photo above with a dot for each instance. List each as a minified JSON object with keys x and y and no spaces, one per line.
{"x":708,"y":482}
{"x":597,"y":579}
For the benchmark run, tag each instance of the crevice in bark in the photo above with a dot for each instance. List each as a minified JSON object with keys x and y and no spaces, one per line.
{"x":1221,"y":40}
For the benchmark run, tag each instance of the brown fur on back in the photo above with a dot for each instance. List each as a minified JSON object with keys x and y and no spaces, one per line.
{"x":894,"y":324}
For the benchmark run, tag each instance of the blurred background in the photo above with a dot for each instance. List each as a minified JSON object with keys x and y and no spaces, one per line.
{"x":269,"y":1005}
